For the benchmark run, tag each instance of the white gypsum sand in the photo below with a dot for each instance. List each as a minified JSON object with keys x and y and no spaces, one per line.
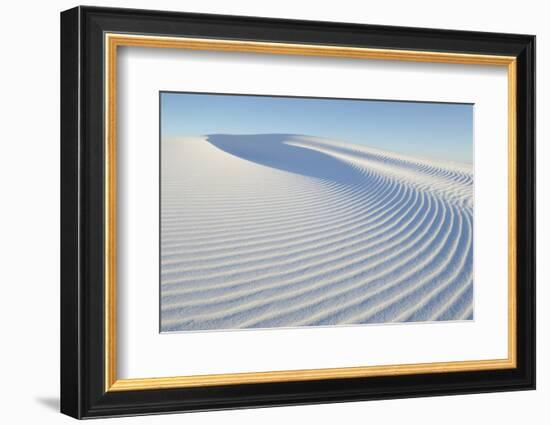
{"x":274,"y":230}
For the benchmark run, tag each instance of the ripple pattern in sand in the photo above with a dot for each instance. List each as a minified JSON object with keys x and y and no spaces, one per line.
{"x":276,"y":230}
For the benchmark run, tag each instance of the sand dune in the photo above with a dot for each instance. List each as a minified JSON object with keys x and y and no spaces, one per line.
{"x":278,"y":230}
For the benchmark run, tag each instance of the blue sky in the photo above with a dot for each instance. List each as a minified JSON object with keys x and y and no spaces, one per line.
{"x":436,"y":130}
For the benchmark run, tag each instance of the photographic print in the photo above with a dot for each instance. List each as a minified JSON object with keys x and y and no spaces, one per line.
{"x":282,"y":212}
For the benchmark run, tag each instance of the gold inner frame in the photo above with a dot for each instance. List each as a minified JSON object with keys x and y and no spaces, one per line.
{"x":113,"y":41}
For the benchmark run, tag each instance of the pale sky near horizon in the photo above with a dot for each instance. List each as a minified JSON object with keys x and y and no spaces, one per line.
{"x":435,"y":130}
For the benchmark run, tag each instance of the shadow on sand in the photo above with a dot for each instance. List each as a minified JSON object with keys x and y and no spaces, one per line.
{"x":272,"y":151}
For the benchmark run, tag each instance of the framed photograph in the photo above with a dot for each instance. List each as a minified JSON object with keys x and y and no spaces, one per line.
{"x":261,"y":212}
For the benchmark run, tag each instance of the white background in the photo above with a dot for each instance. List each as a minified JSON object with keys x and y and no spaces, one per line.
{"x":143,"y":352}
{"x":29,"y":229}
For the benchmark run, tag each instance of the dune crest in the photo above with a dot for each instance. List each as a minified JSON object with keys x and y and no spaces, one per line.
{"x":279,"y":230}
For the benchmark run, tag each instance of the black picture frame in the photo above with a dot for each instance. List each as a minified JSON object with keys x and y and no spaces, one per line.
{"x":83,"y":392}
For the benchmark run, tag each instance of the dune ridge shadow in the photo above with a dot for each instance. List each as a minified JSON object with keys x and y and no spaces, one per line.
{"x":271,"y":150}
